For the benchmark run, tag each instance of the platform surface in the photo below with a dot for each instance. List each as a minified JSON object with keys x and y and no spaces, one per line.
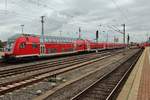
{"x":137,"y":86}
{"x":1,"y":53}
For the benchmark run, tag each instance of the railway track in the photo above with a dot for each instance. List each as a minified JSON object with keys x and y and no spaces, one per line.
{"x":36,"y":73}
{"x":42,"y":61}
{"x":5,"y":64}
{"x":108,"y":86}
{"x":12,"y":85}
{"x":67,"y":62}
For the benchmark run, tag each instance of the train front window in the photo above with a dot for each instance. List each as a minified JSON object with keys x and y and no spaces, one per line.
{"x":10,"y":42}
{"x":9,"y":46}
{"x":22,"y":45}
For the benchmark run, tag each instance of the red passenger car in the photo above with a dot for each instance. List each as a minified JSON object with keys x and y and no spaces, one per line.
{"x":25,"y":45}
{"x":145,"y":44}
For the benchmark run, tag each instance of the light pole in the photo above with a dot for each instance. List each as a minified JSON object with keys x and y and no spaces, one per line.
{"x":105,"y":46}
{"x":124,"y":32}
{"x":42,"y":21}
{"x":60,"y":32}
{"x":99,"y":28}
{"x":107,"y":37}
{"x":79,"y":32}
{"x":22,"y":26}
{"x":147,"y":38}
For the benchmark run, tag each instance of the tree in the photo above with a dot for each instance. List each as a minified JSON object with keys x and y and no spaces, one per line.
{"x":1,"y":44}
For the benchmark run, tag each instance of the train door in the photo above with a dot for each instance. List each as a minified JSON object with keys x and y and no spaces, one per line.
{"x":88,"y":45}
{"x":42,"y":49}
{"x":105,"y":46}
{"x":75,"y":45}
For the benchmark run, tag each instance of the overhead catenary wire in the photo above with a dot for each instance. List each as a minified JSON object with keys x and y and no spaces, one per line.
{"x":120,"y":10}
{"x":35,"y":2}
{"x":41,"y":4}
{"x":115,"y":27}
{"x":116,"y":30}
{"x":112,"y":27}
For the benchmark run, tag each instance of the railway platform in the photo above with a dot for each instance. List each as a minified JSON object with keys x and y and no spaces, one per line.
{"x":137,"y":86}
{"x":1,"y":54}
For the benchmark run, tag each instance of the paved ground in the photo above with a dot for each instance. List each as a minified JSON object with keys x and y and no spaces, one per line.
{"x":137,"y":87}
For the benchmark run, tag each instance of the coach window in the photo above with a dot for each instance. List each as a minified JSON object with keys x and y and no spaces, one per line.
{"x":63,"y":40}
{"x":57,"y":40}
{"x":49,"y":50}
{"x":34,"y":45}
{"x":23,"y":45}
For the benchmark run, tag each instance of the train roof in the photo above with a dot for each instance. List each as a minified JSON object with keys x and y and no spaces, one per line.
{"x":46,"y":38}
{"x":19,"y":35}
{"x":58,"y":39}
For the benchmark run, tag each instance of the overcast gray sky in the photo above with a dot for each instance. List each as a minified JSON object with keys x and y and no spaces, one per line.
{"x":68,"y":15}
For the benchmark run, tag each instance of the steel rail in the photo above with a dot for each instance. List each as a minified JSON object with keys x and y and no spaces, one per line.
{"x":109,"y":97}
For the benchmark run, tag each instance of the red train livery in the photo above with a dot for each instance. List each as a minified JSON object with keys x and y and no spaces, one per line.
{"x":145,"y":44}
{"x":25,"y":45}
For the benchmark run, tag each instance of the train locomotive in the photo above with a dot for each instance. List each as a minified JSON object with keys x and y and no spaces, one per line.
{"x":28,"y":45}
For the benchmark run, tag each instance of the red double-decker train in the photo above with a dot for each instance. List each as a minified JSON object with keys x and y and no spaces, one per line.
{"x":27,"y":45}
{"x":145,"y":44}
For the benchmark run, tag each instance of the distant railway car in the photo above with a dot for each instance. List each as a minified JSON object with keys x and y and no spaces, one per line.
{"x":145,"y":44}
{"x":25,"y":45}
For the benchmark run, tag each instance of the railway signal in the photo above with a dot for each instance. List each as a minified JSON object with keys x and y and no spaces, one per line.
{"x":97,"y":36}
{"x":128,"y":39}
